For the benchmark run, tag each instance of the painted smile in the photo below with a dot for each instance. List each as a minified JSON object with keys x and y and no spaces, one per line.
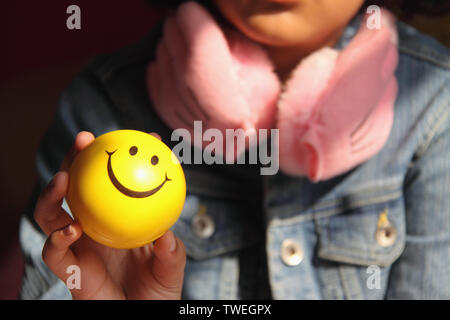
{"x":125,"y":190}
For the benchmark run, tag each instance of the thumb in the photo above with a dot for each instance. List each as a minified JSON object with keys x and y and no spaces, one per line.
{"x":168,"y":264}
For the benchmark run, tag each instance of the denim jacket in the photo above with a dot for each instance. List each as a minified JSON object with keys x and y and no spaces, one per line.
{"x":380,"y":231}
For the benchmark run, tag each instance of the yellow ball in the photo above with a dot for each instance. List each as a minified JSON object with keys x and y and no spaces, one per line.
{"x":126,"y":189}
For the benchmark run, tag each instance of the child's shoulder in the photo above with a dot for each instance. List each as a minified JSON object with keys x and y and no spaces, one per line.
{"x":423,"y":76}
{"x":418,"y":45}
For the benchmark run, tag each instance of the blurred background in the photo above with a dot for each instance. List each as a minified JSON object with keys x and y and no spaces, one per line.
{"x":39,"y":57}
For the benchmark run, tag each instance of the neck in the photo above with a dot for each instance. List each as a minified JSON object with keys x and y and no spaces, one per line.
{"x":286,"y":59}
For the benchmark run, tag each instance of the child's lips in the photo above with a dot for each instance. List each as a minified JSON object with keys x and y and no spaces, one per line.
{"x":276,"y":5}
{"x":284,"y":1}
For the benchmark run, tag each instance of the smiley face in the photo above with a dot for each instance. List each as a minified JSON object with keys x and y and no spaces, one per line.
{"x":126,"y":189}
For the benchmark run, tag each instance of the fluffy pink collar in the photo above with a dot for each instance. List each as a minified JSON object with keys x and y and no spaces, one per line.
{"x":335,"y":112}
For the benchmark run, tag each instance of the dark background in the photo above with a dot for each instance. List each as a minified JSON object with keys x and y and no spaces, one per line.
{"x":38,"y":58}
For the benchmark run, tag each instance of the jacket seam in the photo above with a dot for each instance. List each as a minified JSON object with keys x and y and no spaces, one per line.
{"x":351,"y":256}
{"x":329,"y":203}
{"x":441,"y":119}
{"x":320,"y":214}
{"x":443,"y":64}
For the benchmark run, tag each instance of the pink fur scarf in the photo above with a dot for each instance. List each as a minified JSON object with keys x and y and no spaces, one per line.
{"x":334,"y":113}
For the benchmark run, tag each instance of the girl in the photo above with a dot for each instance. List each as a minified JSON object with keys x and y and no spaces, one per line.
{"x":360,"y":207}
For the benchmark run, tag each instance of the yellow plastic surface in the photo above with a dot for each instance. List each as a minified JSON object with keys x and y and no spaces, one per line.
{"x":126,"y":189}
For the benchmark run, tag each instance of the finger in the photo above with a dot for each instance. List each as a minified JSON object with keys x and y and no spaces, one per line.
{"x":157,"y":136}
{"x":82,"y":140}
{"x":57,"y":253}
{"x":48,"y":212}
{"x":168,"y":265}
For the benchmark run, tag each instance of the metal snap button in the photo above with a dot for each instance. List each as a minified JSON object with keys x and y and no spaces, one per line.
{"x":386,"y":236}
{"x":202,"y":224}
{"x":386,"y":233}
{"x":292,"y":252}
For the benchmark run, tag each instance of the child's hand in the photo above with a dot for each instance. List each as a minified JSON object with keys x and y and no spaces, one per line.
{"x":154,"y":271}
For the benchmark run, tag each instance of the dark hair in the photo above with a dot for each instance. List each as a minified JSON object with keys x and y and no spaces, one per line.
{"x":405,"y":8}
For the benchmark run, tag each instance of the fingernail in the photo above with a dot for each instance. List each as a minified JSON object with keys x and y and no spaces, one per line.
{"x":173,"y":243}
{"x":68,"y":230}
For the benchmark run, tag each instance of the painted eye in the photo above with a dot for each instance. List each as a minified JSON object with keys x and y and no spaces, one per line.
{"x":155,"y":160}
{"x":133,"y":150}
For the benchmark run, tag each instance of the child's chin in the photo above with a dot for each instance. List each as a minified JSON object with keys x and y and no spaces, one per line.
{"x":269,"y":36}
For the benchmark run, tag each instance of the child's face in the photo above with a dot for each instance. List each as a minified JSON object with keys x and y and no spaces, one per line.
{"x":289,"y":22}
